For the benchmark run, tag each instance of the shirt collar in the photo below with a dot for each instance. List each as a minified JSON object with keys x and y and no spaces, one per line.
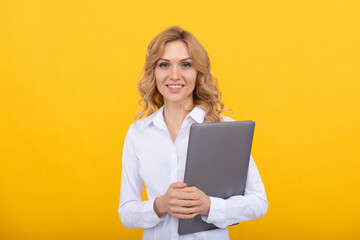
{"x":157,"y":118}
{"x":198,"y":114}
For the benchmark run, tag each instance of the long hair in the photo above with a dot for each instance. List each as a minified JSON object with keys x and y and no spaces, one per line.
{"x":205,"y":95}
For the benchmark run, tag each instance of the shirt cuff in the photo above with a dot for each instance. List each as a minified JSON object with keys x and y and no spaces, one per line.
{"x":216,"y":212}
{"x":151,"y":215}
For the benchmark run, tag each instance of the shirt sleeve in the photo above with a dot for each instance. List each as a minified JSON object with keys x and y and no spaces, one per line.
{"x":133,"y":212}
{"x":253,"y":204}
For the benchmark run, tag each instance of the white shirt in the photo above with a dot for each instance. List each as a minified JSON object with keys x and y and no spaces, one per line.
{"x":151,"y":157}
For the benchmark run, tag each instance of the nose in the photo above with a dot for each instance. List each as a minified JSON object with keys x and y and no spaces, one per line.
{"x":175,"y":74}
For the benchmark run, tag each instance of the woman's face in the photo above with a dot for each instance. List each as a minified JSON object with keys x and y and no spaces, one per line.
{"x":175,"y":74}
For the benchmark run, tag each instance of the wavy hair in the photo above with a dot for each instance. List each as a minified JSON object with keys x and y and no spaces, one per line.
{"x":205,"y":95}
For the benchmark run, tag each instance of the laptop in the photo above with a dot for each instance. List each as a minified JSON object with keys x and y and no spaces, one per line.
{"x":217,"y":163}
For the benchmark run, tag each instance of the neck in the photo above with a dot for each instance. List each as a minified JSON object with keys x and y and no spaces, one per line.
{"x":175,"y":113}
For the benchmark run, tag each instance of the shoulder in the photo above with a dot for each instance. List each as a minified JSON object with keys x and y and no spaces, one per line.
{"x":142,"y":123}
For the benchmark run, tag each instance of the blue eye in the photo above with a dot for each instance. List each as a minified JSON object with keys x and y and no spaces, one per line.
{"x":187,"y":65}
{"x":163,"y":65}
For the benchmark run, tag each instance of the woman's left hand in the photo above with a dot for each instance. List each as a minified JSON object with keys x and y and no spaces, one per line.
{"x":205,"y":200}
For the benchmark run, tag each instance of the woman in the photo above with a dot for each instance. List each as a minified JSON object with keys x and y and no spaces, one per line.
{"x":177,"y":90}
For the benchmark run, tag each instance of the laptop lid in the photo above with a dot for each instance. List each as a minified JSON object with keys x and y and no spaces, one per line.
{"x":217,"y":163}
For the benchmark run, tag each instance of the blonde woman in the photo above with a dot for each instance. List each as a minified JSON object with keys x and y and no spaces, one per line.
{"x":177,"y":90}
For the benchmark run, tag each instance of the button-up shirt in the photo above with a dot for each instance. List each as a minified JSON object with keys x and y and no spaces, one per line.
{"x":150,"y":157}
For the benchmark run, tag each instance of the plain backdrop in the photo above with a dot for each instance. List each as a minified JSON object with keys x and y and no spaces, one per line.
{"x":68,"y":72}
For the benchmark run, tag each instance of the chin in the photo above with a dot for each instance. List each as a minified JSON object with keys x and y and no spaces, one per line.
{"x":177,"y":99}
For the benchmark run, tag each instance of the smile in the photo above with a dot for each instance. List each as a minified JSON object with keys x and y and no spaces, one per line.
{"x":175,"y":86}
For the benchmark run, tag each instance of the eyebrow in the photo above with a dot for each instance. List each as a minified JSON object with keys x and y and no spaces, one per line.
{"x":169,"y":60}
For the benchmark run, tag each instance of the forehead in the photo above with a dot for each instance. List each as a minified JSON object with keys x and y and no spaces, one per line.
{"x":175,"y":50}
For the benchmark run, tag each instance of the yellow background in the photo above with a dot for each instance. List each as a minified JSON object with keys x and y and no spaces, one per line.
{"x":68,"y":73}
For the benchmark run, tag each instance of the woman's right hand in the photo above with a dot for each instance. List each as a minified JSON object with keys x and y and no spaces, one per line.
{"x":178,"y":203}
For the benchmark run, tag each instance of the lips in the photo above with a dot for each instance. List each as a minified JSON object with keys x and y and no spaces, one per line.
{"x":175,"y":86}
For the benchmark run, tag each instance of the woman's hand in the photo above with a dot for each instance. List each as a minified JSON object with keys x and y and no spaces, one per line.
{"x":205,"y":200}
{"x":182,"y":202}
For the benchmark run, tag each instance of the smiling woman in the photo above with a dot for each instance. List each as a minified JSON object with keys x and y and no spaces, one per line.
{"x":174,"y":51}
{"x":174,"y":74}
{"x":177,"y":90}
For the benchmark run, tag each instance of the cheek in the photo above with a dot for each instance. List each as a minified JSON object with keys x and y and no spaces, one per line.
{"x":159,"y":86}
{"x":191,"y":76}
{"x":159,"y":76}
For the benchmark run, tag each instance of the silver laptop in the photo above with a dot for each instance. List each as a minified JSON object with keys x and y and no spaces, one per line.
{"x":217,"y":163}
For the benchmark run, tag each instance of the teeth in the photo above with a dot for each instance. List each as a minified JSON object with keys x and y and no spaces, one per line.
{"x":174,"y":86}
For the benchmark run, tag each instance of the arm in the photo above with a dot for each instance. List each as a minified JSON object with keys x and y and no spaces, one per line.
{"x":240,"y":208}
{"x":132,"y":210}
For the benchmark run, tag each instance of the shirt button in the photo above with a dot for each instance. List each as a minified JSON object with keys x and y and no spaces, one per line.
{"x":175,"y":236}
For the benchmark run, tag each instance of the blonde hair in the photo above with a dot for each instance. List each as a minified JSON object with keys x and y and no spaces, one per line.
{"x":205,"y":95}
